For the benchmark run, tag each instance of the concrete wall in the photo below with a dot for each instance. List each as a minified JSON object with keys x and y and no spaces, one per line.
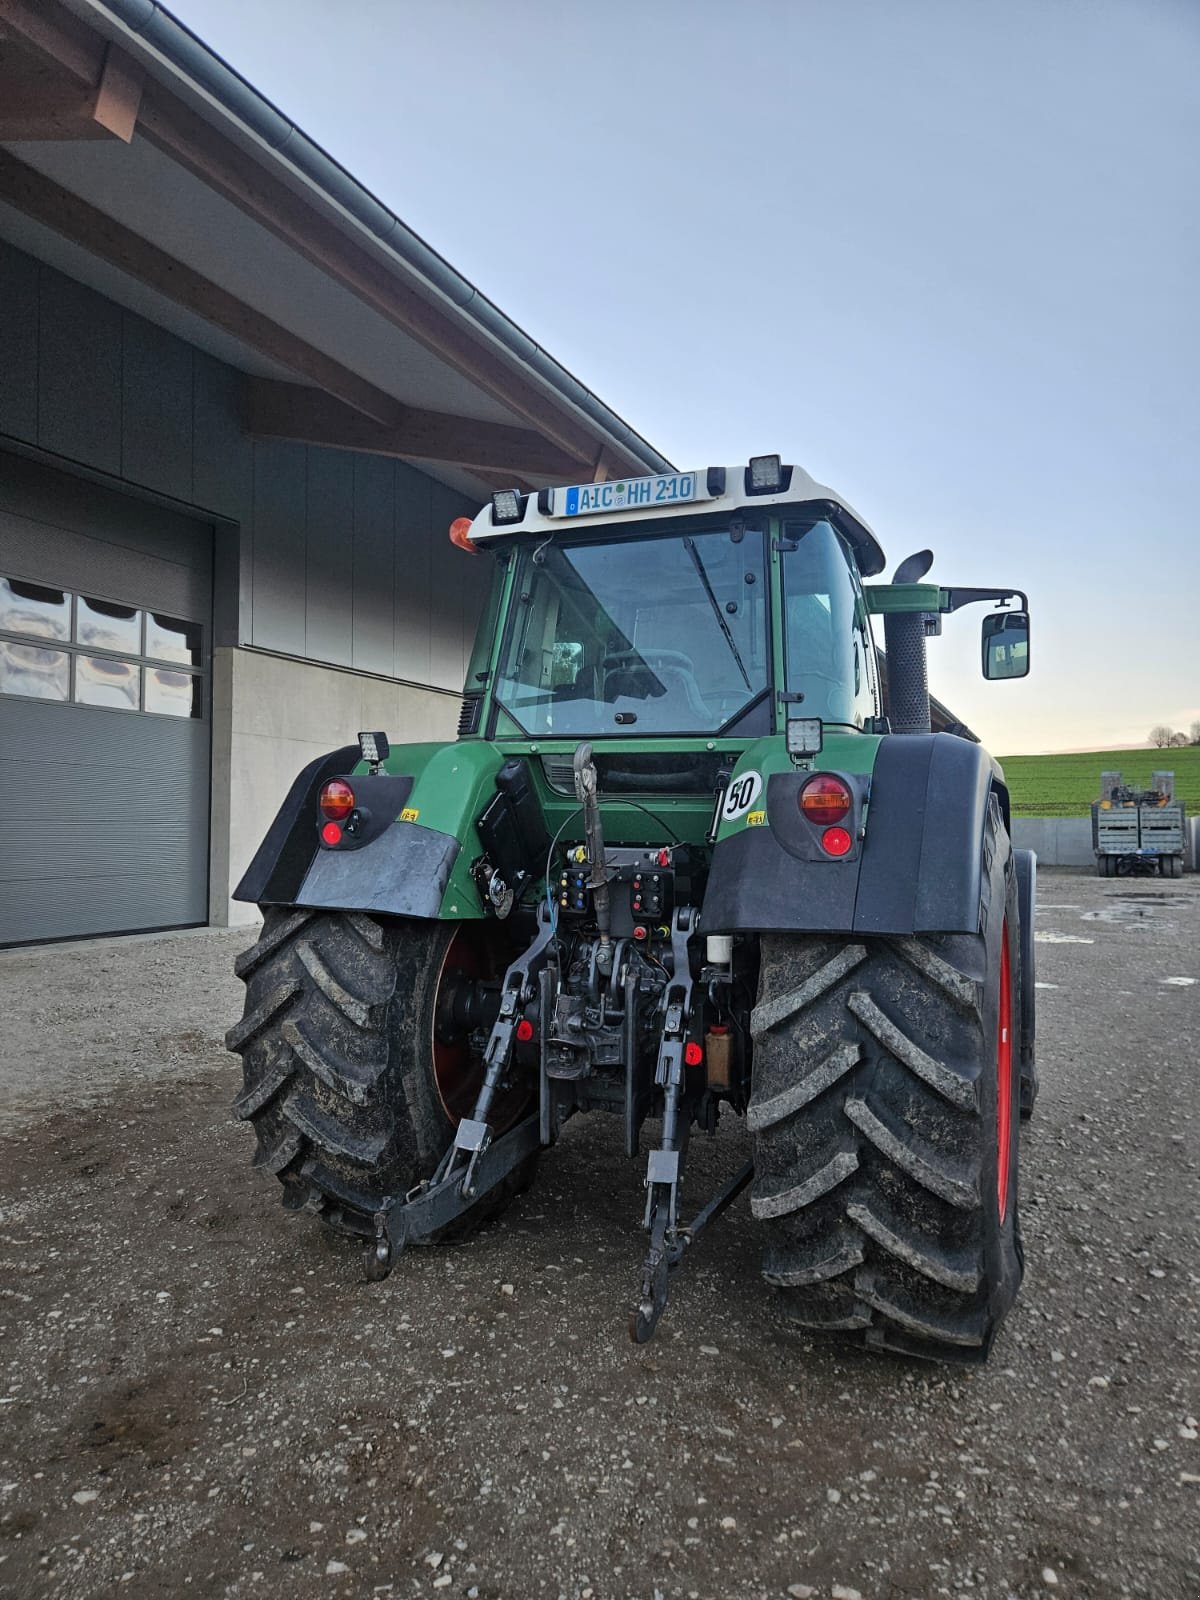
{"x":273,"y":716}
{"x":1058,"y":841}
{"x":1067,"y":841}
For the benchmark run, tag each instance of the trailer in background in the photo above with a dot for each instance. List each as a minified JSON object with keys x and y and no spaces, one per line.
{"x":1138,"y":831}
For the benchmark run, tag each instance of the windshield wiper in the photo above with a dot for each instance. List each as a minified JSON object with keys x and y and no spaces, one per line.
{"x":690,"y":546}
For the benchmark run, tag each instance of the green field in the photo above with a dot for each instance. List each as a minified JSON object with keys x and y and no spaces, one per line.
{"x":1065,"y":786}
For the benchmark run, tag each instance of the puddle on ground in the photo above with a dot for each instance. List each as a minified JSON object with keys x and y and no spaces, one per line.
{"x":1044,"y":937}
{"x":1055,"y":986}
{"x":1181,"y":983}
{"x":1130,"y":909}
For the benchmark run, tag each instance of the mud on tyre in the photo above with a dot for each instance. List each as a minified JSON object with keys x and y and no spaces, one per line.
{"x":354,"y":1077}
{"x":886,"y":1114}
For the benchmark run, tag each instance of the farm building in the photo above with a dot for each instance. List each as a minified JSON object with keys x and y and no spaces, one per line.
{"x":240,"y":403}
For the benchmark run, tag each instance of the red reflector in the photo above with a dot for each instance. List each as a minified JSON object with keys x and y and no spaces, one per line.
{"x":331,"y":833}
{"x":837,"y":841}
{"x":825,"y":799}
{"x":693,"y":1054}
{"x":639,"y":932}
{"x":524,"y":1030}
{"x":337,"y":800}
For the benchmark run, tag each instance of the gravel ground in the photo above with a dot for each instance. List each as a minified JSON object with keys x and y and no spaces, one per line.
{"x":201,"y":1395}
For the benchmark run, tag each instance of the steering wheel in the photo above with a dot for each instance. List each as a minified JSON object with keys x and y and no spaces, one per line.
{"x":675,"y":670}
{"x":649,"y":658}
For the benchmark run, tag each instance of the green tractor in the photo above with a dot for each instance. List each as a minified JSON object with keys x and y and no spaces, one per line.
{"x":687,"y":855}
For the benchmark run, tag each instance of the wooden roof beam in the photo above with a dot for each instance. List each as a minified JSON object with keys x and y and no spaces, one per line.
{"x":37,"y":104}
{"x":54,"y":35}
{"x":310,"y":416}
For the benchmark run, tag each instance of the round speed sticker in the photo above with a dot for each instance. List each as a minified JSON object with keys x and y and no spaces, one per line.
{"x":743,"y":792}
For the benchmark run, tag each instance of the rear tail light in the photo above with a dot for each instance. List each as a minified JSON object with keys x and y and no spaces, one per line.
{"x":825,"y":799}
{"x":337,"y":800}
{"x":836,"y":842}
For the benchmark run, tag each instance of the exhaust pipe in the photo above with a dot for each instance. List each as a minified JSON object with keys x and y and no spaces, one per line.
{"x":904,"y":637}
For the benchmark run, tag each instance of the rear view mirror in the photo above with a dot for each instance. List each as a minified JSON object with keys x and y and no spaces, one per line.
{"x":1006,"y":644}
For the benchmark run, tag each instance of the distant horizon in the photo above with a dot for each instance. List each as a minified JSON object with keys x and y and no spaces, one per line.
{"x":1104,"y":749}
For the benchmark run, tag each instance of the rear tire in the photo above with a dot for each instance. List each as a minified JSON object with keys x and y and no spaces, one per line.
{"x":886,"y":1114}
{"x":337,"y":1046}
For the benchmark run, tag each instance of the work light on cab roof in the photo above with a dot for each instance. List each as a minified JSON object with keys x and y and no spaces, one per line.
{"x":675,"y":867}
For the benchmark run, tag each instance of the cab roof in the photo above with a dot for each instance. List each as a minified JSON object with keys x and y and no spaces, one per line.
{"x":621,"y":502}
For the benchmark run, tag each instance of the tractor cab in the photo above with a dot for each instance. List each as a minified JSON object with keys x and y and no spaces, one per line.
{"x":678,"y":607}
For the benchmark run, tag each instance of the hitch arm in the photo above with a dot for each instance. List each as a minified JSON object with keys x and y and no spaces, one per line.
{"x":666,"y":1254}
{"x":663,"y":1168}
{"x":473,"y":1164}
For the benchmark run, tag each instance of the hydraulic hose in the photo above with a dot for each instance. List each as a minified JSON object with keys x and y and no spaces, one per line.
{"x":587,"y":793}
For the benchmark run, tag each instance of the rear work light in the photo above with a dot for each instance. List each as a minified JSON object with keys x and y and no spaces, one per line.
{"x":507,"y":506}
{"x":337,"y":800}
{"x":764,"y":475}
{"x":825,"y":799}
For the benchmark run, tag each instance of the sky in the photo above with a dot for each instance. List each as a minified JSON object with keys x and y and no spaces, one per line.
{"x":943,"y":254}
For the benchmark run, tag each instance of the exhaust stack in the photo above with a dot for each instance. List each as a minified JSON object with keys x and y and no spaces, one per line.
{"x":904,"y":637}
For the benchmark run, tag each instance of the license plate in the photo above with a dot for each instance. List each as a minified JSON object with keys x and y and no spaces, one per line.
{"x":628,"y":494}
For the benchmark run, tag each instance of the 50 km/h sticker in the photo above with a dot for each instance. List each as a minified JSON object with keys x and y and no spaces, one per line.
{"x":743,"y":792}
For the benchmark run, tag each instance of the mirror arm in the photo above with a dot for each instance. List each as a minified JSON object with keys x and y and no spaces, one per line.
{"x":955,"y":598}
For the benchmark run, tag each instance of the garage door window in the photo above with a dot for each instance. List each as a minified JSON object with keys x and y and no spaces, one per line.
{"x":113,"y":655}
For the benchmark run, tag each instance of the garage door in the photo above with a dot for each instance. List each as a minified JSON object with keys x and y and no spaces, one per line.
{"x":105,"y":641}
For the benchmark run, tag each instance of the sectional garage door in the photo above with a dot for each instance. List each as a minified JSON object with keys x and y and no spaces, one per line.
{"x":105,"y":644}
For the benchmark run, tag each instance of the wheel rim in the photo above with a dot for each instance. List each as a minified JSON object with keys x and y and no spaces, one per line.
{"x":458,"y":1070}
{"x":1004,"y":1076}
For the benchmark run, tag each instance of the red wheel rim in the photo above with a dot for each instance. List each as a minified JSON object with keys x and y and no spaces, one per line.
{"x":1004,"y":1076}
{"x":457,"y":1069}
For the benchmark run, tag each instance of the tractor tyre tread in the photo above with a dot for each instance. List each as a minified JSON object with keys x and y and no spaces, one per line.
{"x":874,"y":1110}
{"x":344,"y":1112}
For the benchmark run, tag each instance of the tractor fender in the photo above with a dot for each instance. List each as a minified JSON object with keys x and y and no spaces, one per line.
{"x":403,"y":871}
{"x":919,"y":869}
{"x":277,"y":867}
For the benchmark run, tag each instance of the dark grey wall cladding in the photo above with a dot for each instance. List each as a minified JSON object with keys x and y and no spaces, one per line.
{"x":335,"y":557}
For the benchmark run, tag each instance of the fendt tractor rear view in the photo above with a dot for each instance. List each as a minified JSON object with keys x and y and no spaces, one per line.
{"x":687,"y":856}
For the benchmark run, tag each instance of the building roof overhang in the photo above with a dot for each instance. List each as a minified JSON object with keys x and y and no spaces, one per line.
{"x":137,"y":161}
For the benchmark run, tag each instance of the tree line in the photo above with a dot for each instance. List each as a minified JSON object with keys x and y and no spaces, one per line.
{"x":1165,"y":738}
